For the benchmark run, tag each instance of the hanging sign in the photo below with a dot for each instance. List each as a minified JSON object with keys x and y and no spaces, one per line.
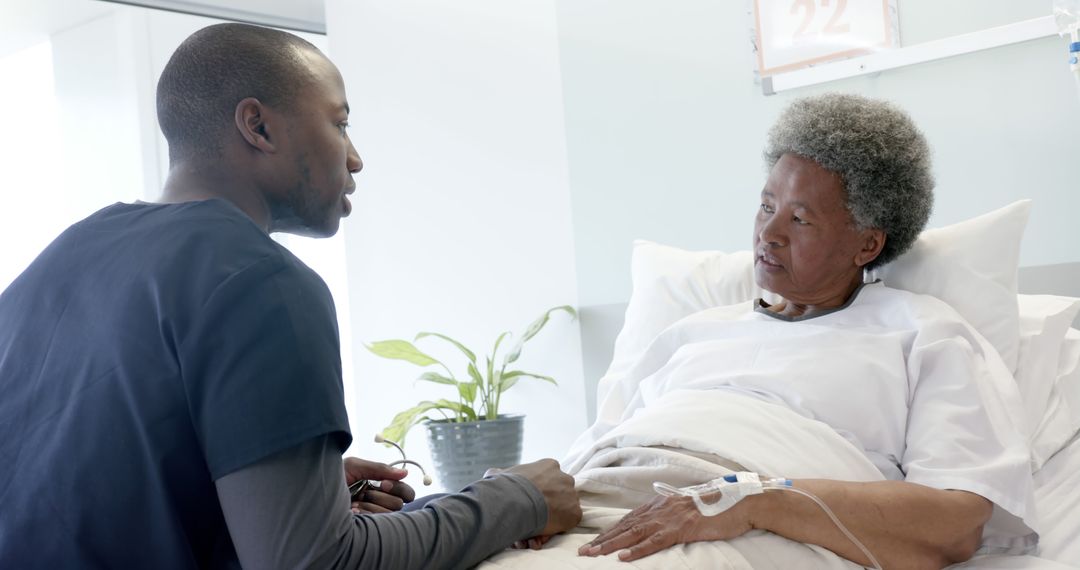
{"x":794,"y":34}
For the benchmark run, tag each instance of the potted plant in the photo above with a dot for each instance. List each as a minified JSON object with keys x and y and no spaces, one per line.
{"x":469,"y":435}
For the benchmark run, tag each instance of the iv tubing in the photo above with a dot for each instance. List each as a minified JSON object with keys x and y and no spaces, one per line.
{"x":873,"y":561}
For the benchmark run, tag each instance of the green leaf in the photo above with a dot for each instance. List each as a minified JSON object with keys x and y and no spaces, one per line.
{"x":467,"y":391}
{"x":507,"y":383}
{"x":512,"y":374}
{"x":498,"y":341}
{"x":543,"y":319}
{"x":475,"y":374}
{"x":437,"y":378}
{"x":468,"y":353}
{"x":514,"y":353}
{"x":404,"y":421}
{"x":492,"y":374}
{"x":541,"y":377}
{"x":535,"y":328}
{"x":459,"y":408}
{"x":400,"y":350}
{"x":512,"y":377}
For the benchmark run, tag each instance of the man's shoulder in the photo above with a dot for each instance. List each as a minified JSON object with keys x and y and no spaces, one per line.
{"x":195,"y":245}
{"x":206,"y":231}
{"x":206,"y":219}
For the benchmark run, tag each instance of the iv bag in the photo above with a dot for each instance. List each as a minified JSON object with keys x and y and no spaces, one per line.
{"x":1067,"y":16}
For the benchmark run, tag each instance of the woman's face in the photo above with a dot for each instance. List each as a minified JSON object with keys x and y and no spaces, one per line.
{"x":807,"y":247}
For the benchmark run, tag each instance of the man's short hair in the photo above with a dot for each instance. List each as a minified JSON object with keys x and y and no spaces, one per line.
{"x":213,"y":70}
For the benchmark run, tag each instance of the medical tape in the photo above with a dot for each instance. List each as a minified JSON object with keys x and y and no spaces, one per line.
{"x":730,"y":490}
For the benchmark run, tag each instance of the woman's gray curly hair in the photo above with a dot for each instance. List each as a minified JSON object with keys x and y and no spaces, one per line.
{"x":879,"y":153}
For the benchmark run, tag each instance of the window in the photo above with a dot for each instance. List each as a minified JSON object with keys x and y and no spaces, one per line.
{"x":32,"y":208}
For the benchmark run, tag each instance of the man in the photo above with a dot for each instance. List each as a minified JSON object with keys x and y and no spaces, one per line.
{"x":171,"y":377}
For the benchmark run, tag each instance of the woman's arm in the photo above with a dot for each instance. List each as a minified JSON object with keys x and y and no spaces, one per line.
{"x":905,"y":525}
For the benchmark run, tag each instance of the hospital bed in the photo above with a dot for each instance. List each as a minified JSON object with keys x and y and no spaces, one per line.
{"x":1057,"y":482}
{"x":1056,"y":445}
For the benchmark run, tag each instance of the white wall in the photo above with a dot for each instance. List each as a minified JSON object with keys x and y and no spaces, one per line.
{"x":665,"y":126}
{"x":461,"y":220}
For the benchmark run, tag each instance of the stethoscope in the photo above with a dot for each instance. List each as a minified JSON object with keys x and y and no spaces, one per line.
{"x":365,"y":484}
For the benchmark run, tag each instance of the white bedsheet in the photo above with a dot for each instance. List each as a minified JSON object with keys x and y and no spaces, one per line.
{"x":1057,"y":494}
{"x":761,"y":436}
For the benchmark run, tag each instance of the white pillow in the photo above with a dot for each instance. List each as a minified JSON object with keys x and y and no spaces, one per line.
{"x":971,"y":266}
{"x":1062,"y":419}
{"x":1044,"y":322}
{"x":670,"y":283}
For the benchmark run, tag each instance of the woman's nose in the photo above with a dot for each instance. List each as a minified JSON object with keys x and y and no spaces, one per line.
{"x":768,"y":232}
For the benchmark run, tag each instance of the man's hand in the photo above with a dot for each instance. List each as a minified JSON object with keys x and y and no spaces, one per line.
{"x":389,"y":496}
{"x":664,"y":522}
{"x":564,"y":508}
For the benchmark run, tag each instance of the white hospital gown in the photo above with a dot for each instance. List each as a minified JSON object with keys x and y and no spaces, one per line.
{"x":901,"y":376}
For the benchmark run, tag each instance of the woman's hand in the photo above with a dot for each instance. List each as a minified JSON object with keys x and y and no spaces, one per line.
{"x":664,"y":522}
{"x":390,"y":495}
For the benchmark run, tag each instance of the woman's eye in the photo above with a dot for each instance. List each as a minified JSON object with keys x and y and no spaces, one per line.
{"x":799,"y":220}
{"x":343,"y":126}
{"x":766,"y":208}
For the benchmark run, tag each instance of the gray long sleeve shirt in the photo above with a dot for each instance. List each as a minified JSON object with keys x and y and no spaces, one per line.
{"x":292,"y":510}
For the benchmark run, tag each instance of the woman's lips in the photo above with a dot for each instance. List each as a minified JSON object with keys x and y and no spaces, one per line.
{"x":346,"y":205}
{"x":769,"y":262}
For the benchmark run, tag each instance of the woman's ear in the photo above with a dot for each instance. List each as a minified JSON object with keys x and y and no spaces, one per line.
{"x":250,"y":120}
{"x":873,"y":241}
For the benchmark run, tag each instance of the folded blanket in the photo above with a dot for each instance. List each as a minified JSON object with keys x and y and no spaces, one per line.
{"x":758,"y":435}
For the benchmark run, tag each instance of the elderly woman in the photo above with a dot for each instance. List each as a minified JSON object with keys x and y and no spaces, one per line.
{"x":900,"y":376}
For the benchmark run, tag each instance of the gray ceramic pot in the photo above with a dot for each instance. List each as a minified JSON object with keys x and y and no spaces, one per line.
{"x":462,"y":451}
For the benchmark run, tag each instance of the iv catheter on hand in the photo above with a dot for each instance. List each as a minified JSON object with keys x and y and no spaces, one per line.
{"x":737,"y":486}
{"x":730,"y":488}
{"x":362,"y":485}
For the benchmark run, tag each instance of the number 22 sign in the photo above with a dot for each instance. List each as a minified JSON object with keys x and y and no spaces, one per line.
{"x":793,"y":34}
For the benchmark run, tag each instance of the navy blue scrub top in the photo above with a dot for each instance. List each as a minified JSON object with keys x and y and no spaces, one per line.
{"x":148,"y":351}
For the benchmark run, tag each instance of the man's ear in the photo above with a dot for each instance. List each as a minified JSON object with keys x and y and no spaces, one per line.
{"x":873,"y":241}
{"x":250,"y":118}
